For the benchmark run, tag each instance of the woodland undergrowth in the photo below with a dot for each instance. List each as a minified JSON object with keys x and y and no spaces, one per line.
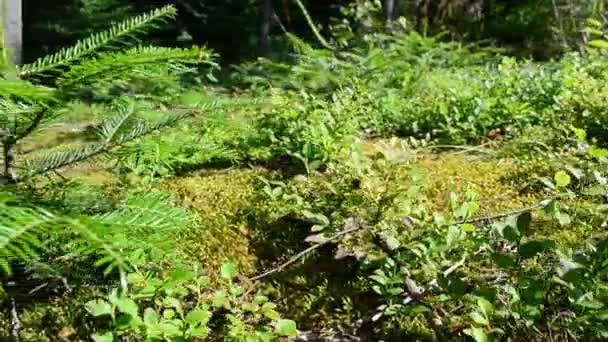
{"x":406,"y":187}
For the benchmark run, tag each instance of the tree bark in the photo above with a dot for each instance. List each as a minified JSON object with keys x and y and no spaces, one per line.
{"x":388,"y":10}
{"x":11,"y":13}
{"x":265,"y":24}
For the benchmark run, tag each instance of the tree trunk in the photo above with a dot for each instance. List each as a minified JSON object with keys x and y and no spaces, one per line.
{"x":388,"y":10}
{"x":265,"y":25}
{"x":10,"y":12}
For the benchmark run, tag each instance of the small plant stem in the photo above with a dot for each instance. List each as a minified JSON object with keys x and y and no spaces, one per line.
{"x":308,"y":250}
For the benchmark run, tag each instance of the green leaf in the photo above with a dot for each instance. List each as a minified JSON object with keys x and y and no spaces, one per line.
{"x":599,"y":43}
{"x":286,"y":327}
{"x":597,"y":152}
{"x":523,"y":221}
{"x":478,"y":318}
{"x":174,"y":303}
{"x":317,"y":228}
{"x":485,"y":306}
{"x":150,"y":317}
{"x":171,"y":328}
{"x":453,"y":235}
{"x":272,"y":314}
{"x":182,"y":274}
{"x":533,"y":247}
{"x":99,"y":307}
{"x":478,"y":334}
{"x":511,"y":234}
{"x":503,"y":260}
{"x":201,"y":331}
{"x":316,"y":218}
{"x":168,"y":313}
{"x":259,"y":300}
{"x":107,"y":337}
{"x":561,"y":178}
{"x":198,"y":316}
{"x":563,"y":218}
{"x":127,"y":306}
{"x":220,"y":299}
{"x":467,"y":228}
{"x":228,"y":271}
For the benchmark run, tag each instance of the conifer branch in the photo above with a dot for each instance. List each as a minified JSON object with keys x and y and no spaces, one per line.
{"x":112,"y":65}
{"x":118,"y":33}
{"x":57,"y":160}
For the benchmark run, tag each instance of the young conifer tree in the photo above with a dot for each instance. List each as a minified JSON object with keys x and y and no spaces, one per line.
{"x":30,"y":95}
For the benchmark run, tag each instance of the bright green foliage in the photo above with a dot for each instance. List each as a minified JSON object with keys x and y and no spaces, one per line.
{"x":182,"y":307}
{"x":26,"y":104}
{"x":445,"y":241}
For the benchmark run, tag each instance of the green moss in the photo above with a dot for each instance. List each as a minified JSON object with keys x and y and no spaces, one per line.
{"x":485,"y":176}
{"x":217,"y":198}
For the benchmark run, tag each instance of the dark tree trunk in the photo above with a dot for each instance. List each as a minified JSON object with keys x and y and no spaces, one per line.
{"x":265,"y":24}
{"x":388,"y":10}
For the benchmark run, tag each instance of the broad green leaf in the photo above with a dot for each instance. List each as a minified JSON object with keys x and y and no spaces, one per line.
{"x":171,"y":328}
{"x":272,"y":314}
{"x":485,"y":306}
{"x":168,"y":313}
{"x":477,"y":334}
{"x":220,"y":299}
{"x":259,"y":300}
{"x":561,"y":178}
{"x":99,"y":307}
{"x":286,"y":327}
{"x":597,"y":152}
{"x":228,"y":271}
{"x":201,"y":331}
{"x":533,"y":247}
{"x":150,"y":317}
{"x":503,"y":260}
{"x":319,"y":219}
{"x":198,"y":316}
{"x":127,"y":306}
{"x":467,"y":228}
{"x":511,"y":234}
{"x":523,"y":222}
{"x":453,"y":235}
{"x":478,"y":318}
{"x":174,"y":303}
{"x":317,"y":228}
{"x":563,"y":218}
{"x":182,"y":274}
{"x":107,"y":337}
{"x":599,"y":43}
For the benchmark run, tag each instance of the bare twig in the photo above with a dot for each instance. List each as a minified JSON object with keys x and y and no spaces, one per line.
{"x":500,"y":216}
{"x":307,"y":251}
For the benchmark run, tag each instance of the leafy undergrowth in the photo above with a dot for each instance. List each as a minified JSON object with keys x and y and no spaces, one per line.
{"x":335,"y":195}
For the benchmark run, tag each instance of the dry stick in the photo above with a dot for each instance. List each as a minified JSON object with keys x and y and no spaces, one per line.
{"x":307,"y":251}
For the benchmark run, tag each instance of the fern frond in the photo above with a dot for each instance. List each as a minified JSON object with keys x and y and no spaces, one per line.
{"x":121,"y":33}
{"x":111,"y":65}
{"x":57,"y":160}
